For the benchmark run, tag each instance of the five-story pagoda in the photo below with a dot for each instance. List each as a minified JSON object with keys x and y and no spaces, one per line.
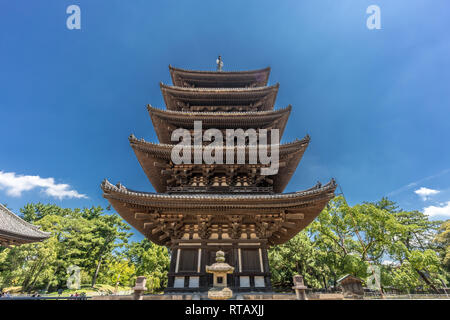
{"x":200,"y":208}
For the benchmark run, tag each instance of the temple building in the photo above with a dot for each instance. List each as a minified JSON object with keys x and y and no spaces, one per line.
{"x":16,"y":231}
{"x":200,"y":208}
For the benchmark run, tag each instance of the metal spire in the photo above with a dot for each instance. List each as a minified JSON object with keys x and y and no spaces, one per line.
{"x":219,"y":63}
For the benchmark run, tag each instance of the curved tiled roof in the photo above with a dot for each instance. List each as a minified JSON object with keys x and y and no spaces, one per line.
{"x":198,"y":78}
{"x":269,"y":113}
{"x":242,"y":97}
{"x":165,"y":121}
{"x":14,"y":230}
{"x":218,"y":73}
{"x":220,"y":90}
{"x":150,"y":155}
{"x":164,"y":148}
{"x":109,"y":188}
{"x":128,"y":203}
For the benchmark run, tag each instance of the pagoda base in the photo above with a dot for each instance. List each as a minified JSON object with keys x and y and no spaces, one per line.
{"x":189,"y":258}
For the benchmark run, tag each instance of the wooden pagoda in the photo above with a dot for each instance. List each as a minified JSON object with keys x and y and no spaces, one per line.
{"x":199,"y":209}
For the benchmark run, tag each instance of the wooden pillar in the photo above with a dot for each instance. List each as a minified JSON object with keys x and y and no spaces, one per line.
{"x":203,"y":274}
{"x":265,"y":255}
{"x":173,"y":259}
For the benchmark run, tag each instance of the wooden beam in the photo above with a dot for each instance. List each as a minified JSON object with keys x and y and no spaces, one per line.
{"x":148,"y":225}
{"x":164,"y":236}
{"x":276,"y":235}
{"x":297,"y":216}
{"x":290,"y":225}
{"x":160,"y":165}
{"x":156,"y":230}
{"x":142,"y":216}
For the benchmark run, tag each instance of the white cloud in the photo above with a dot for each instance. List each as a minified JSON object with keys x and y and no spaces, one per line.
{"x":434,"y":211}
{"x":16,"y":184}
{"x":415,"y":183}
{"x":425,"y":193}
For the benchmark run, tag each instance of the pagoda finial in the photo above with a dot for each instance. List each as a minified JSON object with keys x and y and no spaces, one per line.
{"x":219,"y":62}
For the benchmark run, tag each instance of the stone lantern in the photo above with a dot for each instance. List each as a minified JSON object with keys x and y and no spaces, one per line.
{"x":299,"y":287}
{"x":140,"y":287}
{"x":220,"y":269}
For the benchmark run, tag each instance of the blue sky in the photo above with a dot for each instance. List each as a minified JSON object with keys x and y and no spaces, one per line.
{"x":375,"y":102}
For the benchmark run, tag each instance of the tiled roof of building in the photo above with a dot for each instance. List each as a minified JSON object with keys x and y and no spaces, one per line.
{"x":151,"y":156}
{"x":143,"y":210}
{"x":165,"y":121}
{"x":14,"y":230}
{"x":198,"y":78}
{"x":108,"y":187}
{"x":178,"y":98}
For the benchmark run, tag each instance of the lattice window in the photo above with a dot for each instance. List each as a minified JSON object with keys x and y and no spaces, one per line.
{"x":250,"y":260}
{"x":188,"y":260}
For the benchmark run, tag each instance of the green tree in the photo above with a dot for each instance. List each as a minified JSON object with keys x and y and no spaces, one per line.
{"x":294,"y":257}
{"x":442,"y":241}
{"x":29,"y":265}
{"x":84,"y":238}
{"x":355,"y":239}
{"x":152,"y":261}
{"x":120,"y":272}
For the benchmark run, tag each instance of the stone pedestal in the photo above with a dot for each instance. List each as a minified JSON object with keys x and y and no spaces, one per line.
{"x":220,"y":269}
{"x":139,"y":288}
{"x":300,"y":288}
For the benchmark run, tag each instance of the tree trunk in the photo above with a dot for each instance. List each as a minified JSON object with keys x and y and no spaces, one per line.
{"x":27,"y":281}
{"x":427,"y":281}
{"x":41,"y":266}
{"x":94,"y":278}
{"x":48,"y":285}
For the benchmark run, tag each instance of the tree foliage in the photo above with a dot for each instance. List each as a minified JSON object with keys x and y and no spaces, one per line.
{"x":403,"y":245}
{"x":411,"y":251}
{"x":95,"y":241}
{"x":151,"y":261}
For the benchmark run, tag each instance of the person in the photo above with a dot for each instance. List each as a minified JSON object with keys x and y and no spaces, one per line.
{"x":60,"y":291}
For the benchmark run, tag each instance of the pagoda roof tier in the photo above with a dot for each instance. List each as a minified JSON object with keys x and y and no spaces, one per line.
{"x":276,"y":217}
{"x":14,"y":230}
{"x":165,"y":121}
{"x":219,"y":79}
{"x":155,"y":159}
{"x":219,"y":99}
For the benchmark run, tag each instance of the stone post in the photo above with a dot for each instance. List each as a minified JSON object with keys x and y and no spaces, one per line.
{"x":299,"y":287}
{"x":139,"y":288}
